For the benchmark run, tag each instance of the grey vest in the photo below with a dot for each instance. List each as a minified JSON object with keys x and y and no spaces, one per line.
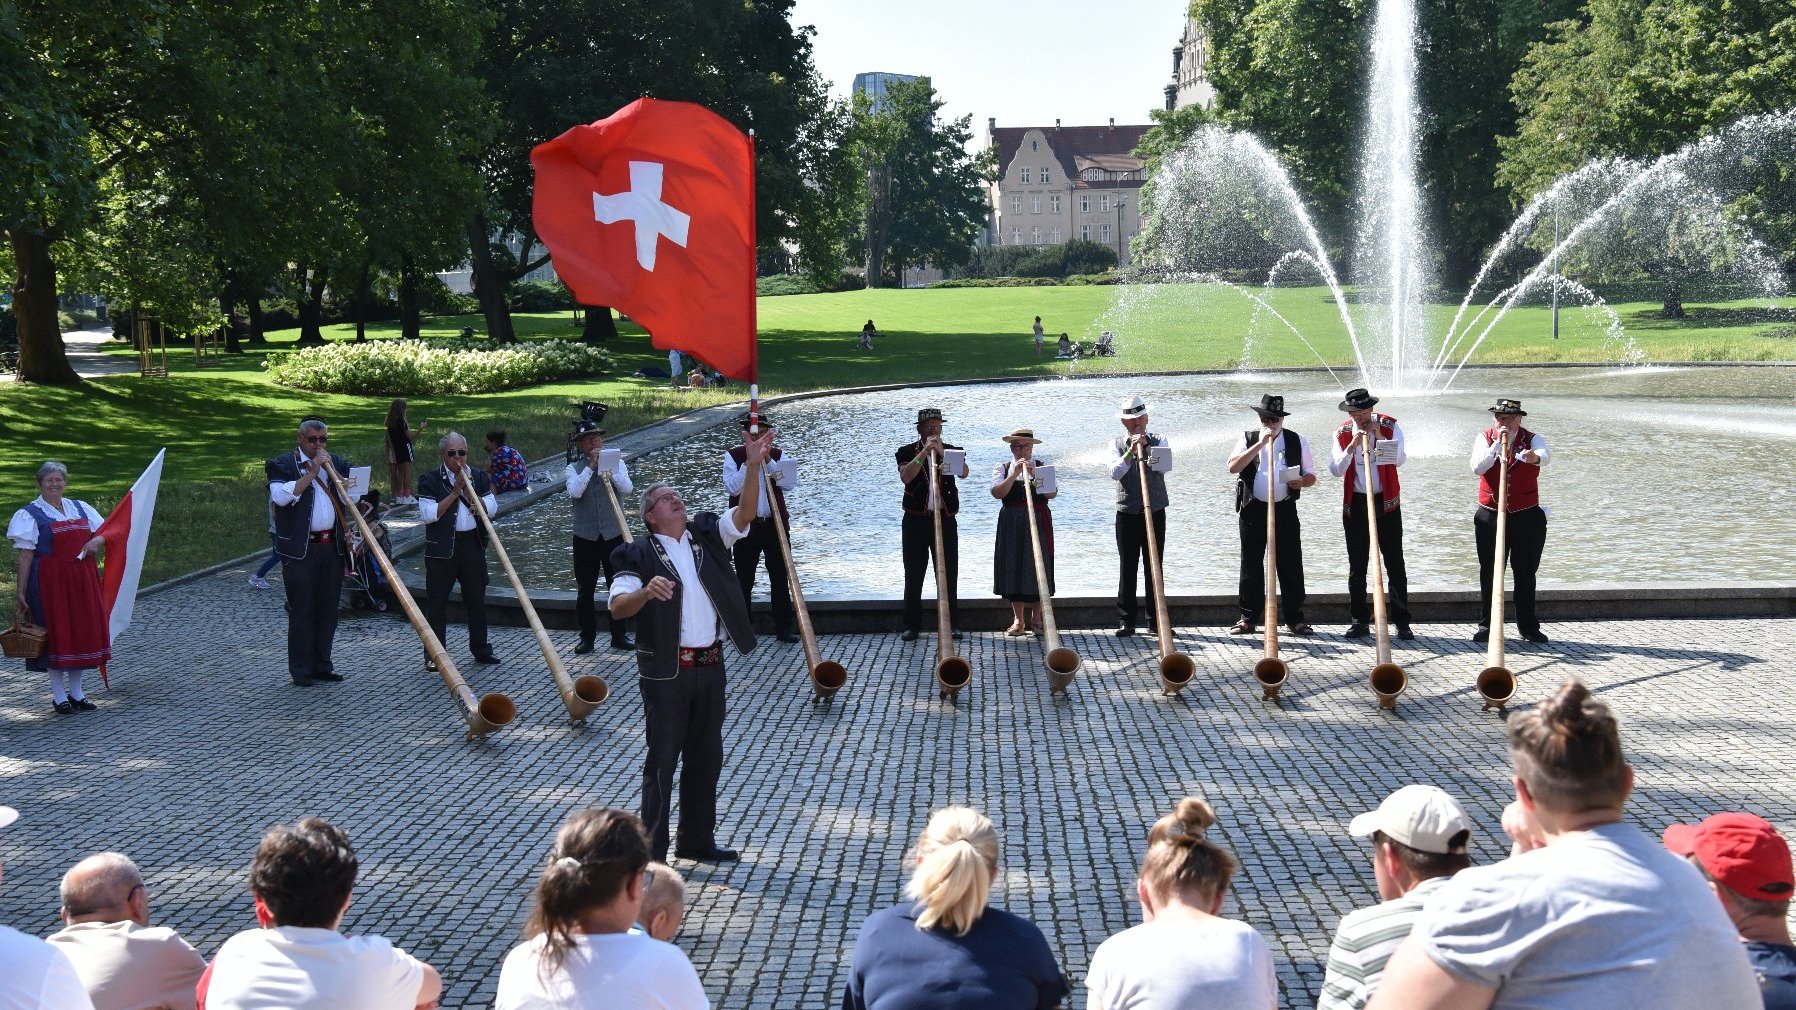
{"x":594,"y":519}
{"x":658,"y":622}
{"x":1128,"y":490}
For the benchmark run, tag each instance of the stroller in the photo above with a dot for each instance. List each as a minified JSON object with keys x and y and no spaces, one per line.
{"x":1105,"y":347}
{"x":366,"y":584}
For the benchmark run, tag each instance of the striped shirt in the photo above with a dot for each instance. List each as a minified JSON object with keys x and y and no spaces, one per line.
{"x":1364,"y":942}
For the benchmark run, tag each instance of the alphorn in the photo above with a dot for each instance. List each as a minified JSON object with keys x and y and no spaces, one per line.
{"x":1388,"y":679}
{"x":1271,"y":671}
{"x":1176,"y":668}
{"x":488,"y":713}
{"x":1496,"y":684}
{"x":1063,"y":663}
{"x":580,"y":696}
{"x":827,"y":676}
{"x":617,"y":507}
{"x":951,"y":672}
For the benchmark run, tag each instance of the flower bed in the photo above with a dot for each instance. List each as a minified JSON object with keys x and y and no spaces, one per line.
{"x":421,"y":368}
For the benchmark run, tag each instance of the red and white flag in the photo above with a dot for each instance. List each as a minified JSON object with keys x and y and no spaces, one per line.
{"x":127,"y":534}
{"x":652,"y":210}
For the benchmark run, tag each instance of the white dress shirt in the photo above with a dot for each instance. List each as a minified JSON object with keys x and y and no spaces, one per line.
{"x":699,"y":624}
{"x":324,"y":514}
{"x":578,"y":477}
{"x":1348,"y":456}
{"x":1484,"y":453}
{"x":1274,"y":454}
{"x":464,"y":516}
{"x":736,"y":474}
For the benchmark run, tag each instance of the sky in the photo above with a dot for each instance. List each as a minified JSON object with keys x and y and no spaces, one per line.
{"x":1026,"y":62}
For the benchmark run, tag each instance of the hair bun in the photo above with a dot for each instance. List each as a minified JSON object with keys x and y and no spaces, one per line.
{"x":1195,"y":815}
{"x":1566,"y":706}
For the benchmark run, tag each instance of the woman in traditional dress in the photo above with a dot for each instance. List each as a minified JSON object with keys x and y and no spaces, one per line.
{"x":400,"y":436}
{"x":1013,"y":562}
{"x":59,"y":585}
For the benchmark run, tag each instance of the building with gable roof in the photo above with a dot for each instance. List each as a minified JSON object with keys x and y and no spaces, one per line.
{"x":1056,"y":184}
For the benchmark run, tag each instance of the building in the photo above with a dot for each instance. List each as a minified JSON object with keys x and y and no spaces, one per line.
{"x":1056,"y":184}
{"x":875,"y":83}
{"x":1191,"y":71}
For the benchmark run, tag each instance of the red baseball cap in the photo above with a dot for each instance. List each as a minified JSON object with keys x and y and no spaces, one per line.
{"x":1740,"y":850}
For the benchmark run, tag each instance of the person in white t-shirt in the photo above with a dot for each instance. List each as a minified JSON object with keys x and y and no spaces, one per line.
{"x":580,"y":951}
{"x":1184,"y":954}
{"x":125,"y":963}
{"x":302,"y":877}
{"x":33,"y":974}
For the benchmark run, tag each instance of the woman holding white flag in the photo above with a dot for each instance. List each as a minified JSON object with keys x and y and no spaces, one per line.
{"x":59,"y":585}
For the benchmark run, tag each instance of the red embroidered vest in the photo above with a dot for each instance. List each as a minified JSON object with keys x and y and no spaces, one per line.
{"x":740,"y":455}
{"x":1384,"y":428}
{"x":1524,"y":479}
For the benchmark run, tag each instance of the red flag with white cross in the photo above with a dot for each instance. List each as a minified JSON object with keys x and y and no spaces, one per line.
{"x":652,"y":210}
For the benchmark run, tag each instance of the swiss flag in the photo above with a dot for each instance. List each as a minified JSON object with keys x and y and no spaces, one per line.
{"x":652,"y":210}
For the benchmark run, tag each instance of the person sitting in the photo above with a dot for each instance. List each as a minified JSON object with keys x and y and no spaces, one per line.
{"x":867,"y":335}
{"x":505,"y":465}
{"x":1747,"y":865}
{"x":1419,"y":840}
{"x":1066,"y":347}
{"x":1184,"y":954}
{"x":663,"y":903}
{"x":580,"y":951}
{"x":695,"y":379}
{"x":302,"y":878}
{"x":1106,"y":344}
{"x":947,"y":949}
{"x":1598,"y":915}
{"x":34,"y":973}
{"x":125,"y":963}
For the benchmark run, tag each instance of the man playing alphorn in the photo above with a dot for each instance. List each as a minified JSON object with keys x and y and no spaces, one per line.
{"x":313,"y":545}
{"x":1527,"y":521}
{"x":1387,"y":455}
{"x":919,"y":526}
{"x":762,"y":539}
{"x":596,"y":532}
{"x":455,"y":544}
{"x":1271,"y":448}
{"x":1131,"y":527}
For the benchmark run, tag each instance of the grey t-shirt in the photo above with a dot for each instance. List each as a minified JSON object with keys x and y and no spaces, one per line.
{"x":1607,"y":918}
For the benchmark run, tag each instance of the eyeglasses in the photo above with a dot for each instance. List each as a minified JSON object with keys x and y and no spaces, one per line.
{"x":648,"y":877}
{"x":662,"y":500}
{"x":316,"y":439}
{"x":455,"y":452}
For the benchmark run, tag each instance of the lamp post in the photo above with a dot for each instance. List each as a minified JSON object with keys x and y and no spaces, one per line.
{"x":1556,"y":255}
{"x":1119,"y":235}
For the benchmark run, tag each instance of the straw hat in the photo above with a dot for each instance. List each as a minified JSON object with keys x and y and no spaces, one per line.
{"x":1022,"y":436}
{"x":1132,"y":409}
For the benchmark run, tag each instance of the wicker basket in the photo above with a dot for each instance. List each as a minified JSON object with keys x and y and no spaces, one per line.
{"x":24,"y":640}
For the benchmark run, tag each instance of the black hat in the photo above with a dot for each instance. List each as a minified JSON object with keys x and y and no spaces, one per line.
{"x":763,"y":419}
{"x":1358,"y":399}
{"x":1274,"y":405}
{"x":1507,"y":406}
{"x":584,"y":428}
{"x":930,"y":414}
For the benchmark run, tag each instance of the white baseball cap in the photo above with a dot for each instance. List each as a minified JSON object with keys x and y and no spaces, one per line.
{"x":1422,"y":817}
{"x":7,"y":816}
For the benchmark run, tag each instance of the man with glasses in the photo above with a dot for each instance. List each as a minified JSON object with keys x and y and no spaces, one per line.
{"x":455,"y":543}
{"x":679,"y":585}
{"x":313,"y":544}
{"x":125,"y":962}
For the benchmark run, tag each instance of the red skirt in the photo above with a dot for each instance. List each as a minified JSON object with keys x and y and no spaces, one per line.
{"x":69,"y":592}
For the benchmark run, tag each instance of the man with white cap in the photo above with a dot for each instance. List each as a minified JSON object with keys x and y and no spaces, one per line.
{"x":1419,"y":836}
{"x":1132,"y":450}
{"x":1747,"y":864}
{"x":34,"y":974}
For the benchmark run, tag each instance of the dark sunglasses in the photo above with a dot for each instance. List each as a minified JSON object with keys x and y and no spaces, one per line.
{"x":455,"y":452}
{"x":317,"y":439}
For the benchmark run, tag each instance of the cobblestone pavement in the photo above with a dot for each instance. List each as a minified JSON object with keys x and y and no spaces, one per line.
{"x":201,"y":744}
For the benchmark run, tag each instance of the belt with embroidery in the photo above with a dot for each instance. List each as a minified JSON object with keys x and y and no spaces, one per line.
{"x":706,"y":655}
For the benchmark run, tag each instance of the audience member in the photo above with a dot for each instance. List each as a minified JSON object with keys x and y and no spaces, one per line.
{"x":868,"y":332}
{"x":1599,"y":915}
{"x":301,"y":879}
{"x":1419,"y":837}
{"x":580,"y":951}
{"x":663,"y":903}
{"x":949,"y":950}
{"x":125,"y":963}
{"x":1747,"y":865}
{"x":36,"y":975}
{"x":1184,"y":954}
{"x":505,"y":465}
{"x":1065,"y":347}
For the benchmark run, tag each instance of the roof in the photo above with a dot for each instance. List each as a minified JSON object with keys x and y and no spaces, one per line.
{"x":1109,"y":162}
{"x":1070,"y":143}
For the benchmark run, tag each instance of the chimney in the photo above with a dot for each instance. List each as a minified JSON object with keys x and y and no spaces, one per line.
{"x":991,"y":124}
{"x":1056,"y":122}
{"x":1113,"y":122}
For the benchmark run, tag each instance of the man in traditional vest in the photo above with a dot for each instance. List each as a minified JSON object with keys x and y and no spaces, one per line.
{"x":1527,"y":521}
{"x":310,"y":537}
{"x":762,"y":540}
{"x":455,"y":544}
{"x":1132,"y":451}
{"x":1386,"y":439}
{"x":678,"y":584}
{"x":598,"y":531}
{"x":1263,"y":468}
{"x":919,"y":526}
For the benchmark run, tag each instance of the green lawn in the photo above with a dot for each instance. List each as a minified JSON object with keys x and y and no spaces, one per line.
{"x":220,"y":423}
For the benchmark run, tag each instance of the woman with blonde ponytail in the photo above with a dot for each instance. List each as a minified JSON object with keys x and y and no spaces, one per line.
{"x":580,"y":953}
{"x":946,"y":949}
{"x":1184,"y":954}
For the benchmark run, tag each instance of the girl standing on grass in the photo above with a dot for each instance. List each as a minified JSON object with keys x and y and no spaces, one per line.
{"x":400,"y":436}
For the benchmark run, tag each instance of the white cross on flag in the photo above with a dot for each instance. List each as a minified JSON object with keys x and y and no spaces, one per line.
{"x":652,"y":211}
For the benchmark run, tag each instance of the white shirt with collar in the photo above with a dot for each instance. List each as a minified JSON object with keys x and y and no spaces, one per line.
{"x":579,"y":476}
{"x":324,"y":514}
{"x":464,"y":516}
{"x":1484,"y":454}
{"x":699,"y":624}
{"x":1346,"y":456}
{"x":22,"y":530}
{"x":1274,"y":453}
{"x":736,"y":474}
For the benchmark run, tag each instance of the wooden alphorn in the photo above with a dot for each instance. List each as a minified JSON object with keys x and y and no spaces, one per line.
{"x":1388,"y":679}
{"x":1176,"y":668}
{"x":827,"y":676}
{"x":952,"y":673}
{"x":1496,"y":683}
{"x":1271,"y":671}
{"x":1062,"y":663}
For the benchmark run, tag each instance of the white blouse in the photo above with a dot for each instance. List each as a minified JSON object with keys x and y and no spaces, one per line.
{"x":22,"y":531}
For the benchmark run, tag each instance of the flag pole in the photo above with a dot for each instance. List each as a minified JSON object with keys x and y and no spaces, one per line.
{"x":754,"y":327}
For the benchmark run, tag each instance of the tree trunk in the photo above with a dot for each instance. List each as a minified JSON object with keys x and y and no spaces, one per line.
{"x":361,"y":304}
{"x":41,"y":354}
{"x":409,"y":327}
{"x":1674,"y":299}
{"x":598,"y":325}
{"x":489,"y":286}
{"x":233,"y":323}
{"x":255,"y":321}
{"x":311,"y":309}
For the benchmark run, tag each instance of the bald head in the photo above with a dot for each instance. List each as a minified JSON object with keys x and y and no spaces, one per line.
{"x":104,"y":888}
{"x":663,"y":902}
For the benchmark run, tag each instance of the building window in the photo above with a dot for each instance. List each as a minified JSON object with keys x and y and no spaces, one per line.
{"x":1044,"y":174}
{"x":1016,"y":205}
{"x":1085,"y":232}
{"x":1054,"y":235}
{"x":1033,"y":145}
{"x":1035,"y":205}
{"x":1035,"y":236}
{"x":1016,"y":236}
{"x":1084,"y":203}
{"x":1103,"y":203}
{"x":1025,"y":177}
{"x":1054,"y":204}
{"x":1104,"y":233}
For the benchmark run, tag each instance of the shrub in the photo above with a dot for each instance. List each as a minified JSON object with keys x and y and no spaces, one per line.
{"x":430,"y":367}
{"x":799,"y":284}
{"x":435,"y":298}
{"x":540,"y":296}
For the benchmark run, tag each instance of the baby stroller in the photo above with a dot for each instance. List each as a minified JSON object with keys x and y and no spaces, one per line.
{"x":366,"y":584}
{"x":1104,"y":348}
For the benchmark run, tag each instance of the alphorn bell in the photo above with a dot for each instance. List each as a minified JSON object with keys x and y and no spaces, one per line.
{"x":1063,"y":663}
{"x":827,"y":676}
{"x":1176,"y":668}
{"x":1496,"y":684}
{"x":951,"y":672}
{"x":1271,"y":671}
{"x":488,"y":713}
{"x":1388,"y":679}
{"x":580,"y":696}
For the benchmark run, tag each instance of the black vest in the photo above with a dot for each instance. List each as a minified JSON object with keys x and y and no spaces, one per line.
{"x":916,"y":490}
{"x":740,"y":455}
{"x":439,"y":535}
{"x":658,"y":622}
{"x":293,"y":523}
{"x":1244,"y":482}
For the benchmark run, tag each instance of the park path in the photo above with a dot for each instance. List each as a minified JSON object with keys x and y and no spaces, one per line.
{"x":87,"y":356}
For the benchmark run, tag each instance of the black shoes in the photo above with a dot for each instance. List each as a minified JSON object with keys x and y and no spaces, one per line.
{"x":1404,"y":633}
{"x":910,"y":635}
{"x":959,"y":634}
{"x":63,"y":708}
{"x":786,"y":635}
{"x":1481,"y":635}
{"x":303,"y":682}
{"x":1535,"y":635}
{"x":1301,"y":628}
{"x":709,"y":854}
{"x":83,"y":705}
{"x":487,"y":658}
{"x":585,"y":645}
{"x":332,"y":677}
{"x":623,"y":643}
{"x":1356,"y":630}
{"x":1125,"y":630}
{"x":1242,"y":627}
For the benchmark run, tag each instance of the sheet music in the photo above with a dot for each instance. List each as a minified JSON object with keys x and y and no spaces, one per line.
{"x":785,"y":473}
{"x":1045,"y":481}
{"x":955,"y":461}
{"x":359,"y":477}
{"x":1159,"y":458}
{"x":608,"y":459}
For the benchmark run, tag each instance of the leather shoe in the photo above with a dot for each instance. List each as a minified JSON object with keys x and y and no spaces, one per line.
{"x":910,"y":635}
{"x":1301,"y":629}
{"x":333,"y":677}
{"x":959,"y":634}
{"x":1481,"y":635}
{"x":584,"y":646}
{"x":63,"y":708}
{"x":786,"y":635}
{"x":1242,"y":627}
{"x":1404,"y":633}
{"x":709,"y":854}
{"x":303,"y":682}
{"x":1535,"y":635}
{"x":1356,"y":630}
{"x":487,"y":658}
{"x":83,"y":705}
{"x":1125,"y":630}
{"x":623,"y":643}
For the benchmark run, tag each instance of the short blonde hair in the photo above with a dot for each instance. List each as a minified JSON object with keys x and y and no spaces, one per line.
{"x":957,"y":857}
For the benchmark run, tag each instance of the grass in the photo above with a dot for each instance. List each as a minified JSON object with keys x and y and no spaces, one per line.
{"x":220,"y":423}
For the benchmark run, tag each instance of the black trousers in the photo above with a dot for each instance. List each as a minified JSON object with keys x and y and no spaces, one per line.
{"x":313,"y":585}
{"x":763,"y":541}
{"x":1131,"y":545}
{"x":1527,"y":537}
{"x":684,"y":719}
{"x":590,"y":558}
{"x":919,"y":547}
{"x":1359,"y":550}
{"x":468,"y":567}
{"x":1252,"y":586}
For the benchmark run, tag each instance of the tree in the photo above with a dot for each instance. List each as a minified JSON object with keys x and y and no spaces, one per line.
{"x":926,"y":197}
{"x":832,"y":210}
{"x":1171,"y":130}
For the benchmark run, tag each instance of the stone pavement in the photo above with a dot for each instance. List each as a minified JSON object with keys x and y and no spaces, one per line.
{"x":201,"y":744}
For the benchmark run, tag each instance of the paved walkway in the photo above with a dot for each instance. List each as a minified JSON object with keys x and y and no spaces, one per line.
{"x":201,"y":744}
{"x":85,"y":349}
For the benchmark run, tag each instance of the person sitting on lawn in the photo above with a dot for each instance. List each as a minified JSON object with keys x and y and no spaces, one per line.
{"x":505,"y":465}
